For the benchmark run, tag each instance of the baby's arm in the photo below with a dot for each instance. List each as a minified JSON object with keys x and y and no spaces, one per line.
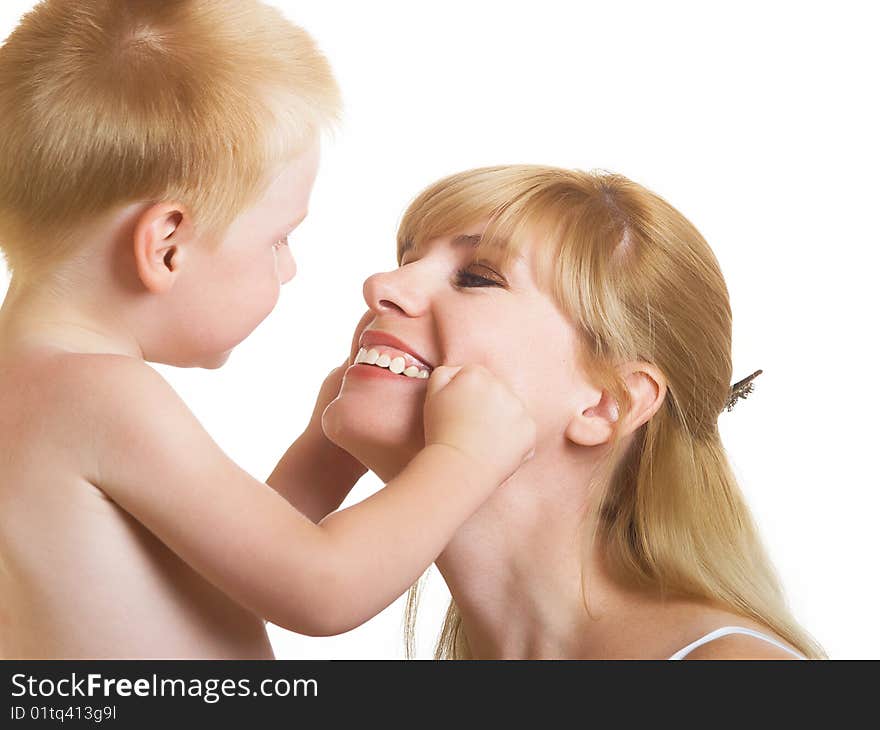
{"x":315,"y":475}
{"x":154,"y":459}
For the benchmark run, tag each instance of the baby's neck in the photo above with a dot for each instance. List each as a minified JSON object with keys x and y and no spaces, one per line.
{"x":59,"y":317}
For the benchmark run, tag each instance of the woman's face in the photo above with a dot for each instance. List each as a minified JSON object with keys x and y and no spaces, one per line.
{"x":445,"y":306}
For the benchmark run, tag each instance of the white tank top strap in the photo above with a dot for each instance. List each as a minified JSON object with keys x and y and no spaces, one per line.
{"x":724,"y":631}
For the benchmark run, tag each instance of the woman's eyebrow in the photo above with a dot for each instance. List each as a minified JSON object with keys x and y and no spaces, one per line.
{"x":471,"y":240}
{"x":464,"y":239}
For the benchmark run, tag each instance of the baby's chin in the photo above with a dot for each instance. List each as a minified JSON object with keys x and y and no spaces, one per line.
{"x":206,"y":361}
{"x":382,"y":434}
{"x":212,"y":362}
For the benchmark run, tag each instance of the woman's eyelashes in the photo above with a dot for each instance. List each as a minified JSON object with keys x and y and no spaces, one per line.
{"x":478,"y":275}
{"x":472,"y":275}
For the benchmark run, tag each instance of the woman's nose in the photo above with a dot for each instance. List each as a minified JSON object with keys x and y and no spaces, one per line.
{"x":395,"y":291}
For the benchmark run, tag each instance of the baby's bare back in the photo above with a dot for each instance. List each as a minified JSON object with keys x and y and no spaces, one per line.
{"x":79,"y":577}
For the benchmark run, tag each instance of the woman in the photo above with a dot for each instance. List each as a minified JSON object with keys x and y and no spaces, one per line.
{"x":626,"y":535}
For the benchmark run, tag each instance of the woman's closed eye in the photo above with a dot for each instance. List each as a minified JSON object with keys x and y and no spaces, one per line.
{"x":478,"y":275}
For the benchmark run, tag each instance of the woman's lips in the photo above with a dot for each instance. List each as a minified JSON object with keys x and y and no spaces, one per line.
{"x":363,"y":370}
{"x":385,"y":341}
{"x":392,"y":361}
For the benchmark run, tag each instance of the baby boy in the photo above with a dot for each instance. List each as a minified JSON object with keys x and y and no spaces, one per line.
{"x":154,"y":157}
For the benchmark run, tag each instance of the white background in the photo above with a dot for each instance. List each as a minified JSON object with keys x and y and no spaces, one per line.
{"x":757,"y":120}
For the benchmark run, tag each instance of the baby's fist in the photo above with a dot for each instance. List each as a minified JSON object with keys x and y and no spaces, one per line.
{"x":472,"y":411}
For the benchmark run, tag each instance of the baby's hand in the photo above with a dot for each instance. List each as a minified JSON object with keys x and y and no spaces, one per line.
{"x":472,"y":411}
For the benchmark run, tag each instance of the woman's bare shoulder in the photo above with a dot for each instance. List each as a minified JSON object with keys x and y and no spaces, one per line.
{"x":698,"y":620}
{"x":739,"y":646}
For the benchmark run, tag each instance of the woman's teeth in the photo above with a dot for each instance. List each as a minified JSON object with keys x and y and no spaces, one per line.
{"x":395,"y":364}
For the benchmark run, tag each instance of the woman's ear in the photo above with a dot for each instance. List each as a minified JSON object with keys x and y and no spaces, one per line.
{"x":647,"y":391}
{"x":593,"y":425}
{"x":157,"y":246}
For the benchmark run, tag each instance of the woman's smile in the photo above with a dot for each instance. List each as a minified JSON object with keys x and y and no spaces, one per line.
{"x":383,"y":355}
{"x":392,"y":360}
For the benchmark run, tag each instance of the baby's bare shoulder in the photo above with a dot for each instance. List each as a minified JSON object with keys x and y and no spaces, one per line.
{"x":72,"y":394}
{"x":121,"y":394}
{"x":61,"y":381}
{"x":58,"y":409}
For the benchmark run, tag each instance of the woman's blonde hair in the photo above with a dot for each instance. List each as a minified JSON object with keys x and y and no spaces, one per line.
{"x":103,"y":102}
{"x":639,"y":282}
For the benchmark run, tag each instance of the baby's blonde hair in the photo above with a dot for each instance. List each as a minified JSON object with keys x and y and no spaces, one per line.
{"x":639,"y":282}
{"x":104,"y":102}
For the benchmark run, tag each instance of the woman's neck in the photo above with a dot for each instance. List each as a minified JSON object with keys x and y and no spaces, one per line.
{"x":529,"y":583}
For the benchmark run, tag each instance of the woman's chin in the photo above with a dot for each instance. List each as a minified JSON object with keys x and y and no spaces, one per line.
{"x":382,"y":433}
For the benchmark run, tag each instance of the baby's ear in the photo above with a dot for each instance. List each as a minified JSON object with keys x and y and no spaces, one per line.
{"x":157,"y":246}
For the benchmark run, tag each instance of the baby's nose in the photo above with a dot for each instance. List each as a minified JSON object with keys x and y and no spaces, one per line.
{"x":286,"y":264}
